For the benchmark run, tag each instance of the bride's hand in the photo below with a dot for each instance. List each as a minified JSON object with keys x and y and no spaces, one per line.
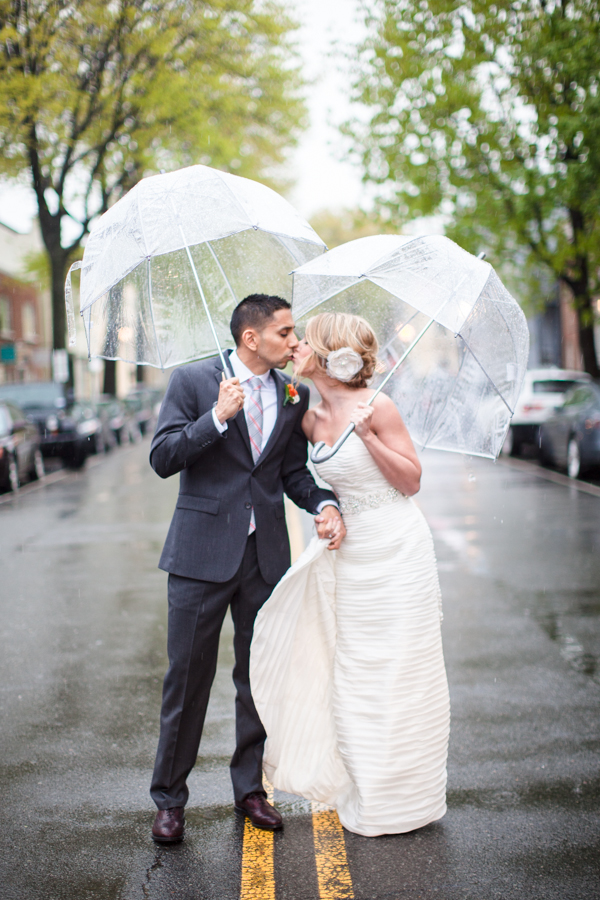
{"x":361,"y":416}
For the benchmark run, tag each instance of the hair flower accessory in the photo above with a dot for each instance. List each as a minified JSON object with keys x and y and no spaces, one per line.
{"x":344,"y":364}
{"x":291,"y":395}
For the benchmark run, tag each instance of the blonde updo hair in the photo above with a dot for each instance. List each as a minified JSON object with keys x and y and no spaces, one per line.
{"x":332,"y":331}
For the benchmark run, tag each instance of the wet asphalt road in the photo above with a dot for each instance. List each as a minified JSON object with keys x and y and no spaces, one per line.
{"x":82,"y":656}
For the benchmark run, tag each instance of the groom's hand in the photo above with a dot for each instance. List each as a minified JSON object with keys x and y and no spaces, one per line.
{"x":231,"y":399}
{"x":330,"y":526}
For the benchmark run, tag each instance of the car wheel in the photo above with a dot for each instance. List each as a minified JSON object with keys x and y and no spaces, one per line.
{"x":573,"y":459}
{"x":515,"y":444}
{"x":545,"y":456}
{"x":13,"y":475}
{"x":38,"y":470}
{"x":77,"y":458}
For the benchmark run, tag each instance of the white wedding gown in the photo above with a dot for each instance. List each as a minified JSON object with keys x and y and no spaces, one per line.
{"x":346,"y":667}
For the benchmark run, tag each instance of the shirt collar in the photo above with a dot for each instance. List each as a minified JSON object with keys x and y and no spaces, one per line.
{"x":241,"y":371}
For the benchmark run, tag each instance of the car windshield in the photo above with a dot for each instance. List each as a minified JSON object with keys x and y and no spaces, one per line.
{"x":556,"y":386}
{"x":582,"y":395}
{"x":34,"y":396}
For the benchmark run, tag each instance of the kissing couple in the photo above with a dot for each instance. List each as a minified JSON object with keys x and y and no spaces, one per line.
{"x":344,"y":698}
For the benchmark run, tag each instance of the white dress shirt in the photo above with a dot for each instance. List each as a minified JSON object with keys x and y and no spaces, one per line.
{"x":269,"y":403}
{"x":268,"y":395}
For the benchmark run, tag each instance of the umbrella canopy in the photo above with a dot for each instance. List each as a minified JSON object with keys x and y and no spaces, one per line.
{"x":176,"y":254}
{"x":467,"y":337}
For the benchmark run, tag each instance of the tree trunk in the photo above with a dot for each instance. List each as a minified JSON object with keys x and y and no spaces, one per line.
{"x":585,"y":319}
{"x":110,"y":377}
{"x":58,"y":264}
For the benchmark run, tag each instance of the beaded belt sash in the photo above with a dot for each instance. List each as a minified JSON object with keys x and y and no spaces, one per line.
{"x":352,"y":505}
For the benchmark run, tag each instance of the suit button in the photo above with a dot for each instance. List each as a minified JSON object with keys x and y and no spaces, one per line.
{"x":248,"y":505}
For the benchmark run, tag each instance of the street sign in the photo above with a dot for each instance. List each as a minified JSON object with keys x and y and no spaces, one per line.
{"x":60,"y":366}
{"x":8,"y":353}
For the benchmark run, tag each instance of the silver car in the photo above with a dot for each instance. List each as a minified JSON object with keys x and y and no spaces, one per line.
{"x":543,"y":391}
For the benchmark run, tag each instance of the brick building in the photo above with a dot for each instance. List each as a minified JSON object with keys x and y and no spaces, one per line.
{"x":24,"y":311}
{"x":23,"y":356}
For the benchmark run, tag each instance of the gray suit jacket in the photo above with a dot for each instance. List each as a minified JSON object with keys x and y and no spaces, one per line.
{"x":219,"y":483}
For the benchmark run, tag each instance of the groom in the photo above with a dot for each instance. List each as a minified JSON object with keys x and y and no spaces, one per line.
{"x":238,"y":445}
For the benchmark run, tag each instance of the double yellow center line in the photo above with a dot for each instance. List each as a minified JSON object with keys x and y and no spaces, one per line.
{"x":333,"y":875}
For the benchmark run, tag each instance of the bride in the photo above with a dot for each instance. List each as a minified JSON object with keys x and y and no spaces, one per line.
{"x":347,"y":668}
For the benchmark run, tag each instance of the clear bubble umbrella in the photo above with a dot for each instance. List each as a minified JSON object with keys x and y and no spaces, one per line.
{"x":453,"y":342}
{"x":164,"y":267}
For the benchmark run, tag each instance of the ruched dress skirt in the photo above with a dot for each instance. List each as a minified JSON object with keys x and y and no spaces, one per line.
{"x":347,"y":668}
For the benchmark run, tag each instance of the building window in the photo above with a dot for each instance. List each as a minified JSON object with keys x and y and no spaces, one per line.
{"x":5,"y":318}
{"x":28,"y":322}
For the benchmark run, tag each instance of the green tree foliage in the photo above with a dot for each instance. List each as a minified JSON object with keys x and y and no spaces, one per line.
{"x":338,"y":226}
{"x":489,"y":114}
{"x":95,"y":94}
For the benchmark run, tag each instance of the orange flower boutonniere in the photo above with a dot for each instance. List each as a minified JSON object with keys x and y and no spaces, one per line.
{"x":291,"y":394}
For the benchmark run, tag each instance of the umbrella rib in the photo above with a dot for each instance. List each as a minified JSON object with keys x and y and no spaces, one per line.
{"x":511,"y":411}
{"x":149,"y":263}
{"x":397,"y":364}
{"x":149,"y":266}
{"x":222,"y":271}
{"x":238,"y":203}
{"x":199,"y":286}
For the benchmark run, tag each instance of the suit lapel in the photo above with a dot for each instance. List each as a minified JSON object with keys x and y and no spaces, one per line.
{"x":239,"y":420}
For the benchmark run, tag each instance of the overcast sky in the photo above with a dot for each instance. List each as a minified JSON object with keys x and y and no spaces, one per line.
{"x":323,"y":180}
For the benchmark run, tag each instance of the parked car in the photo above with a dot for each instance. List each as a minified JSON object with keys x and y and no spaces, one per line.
{"x":119,"y":422}
{"x":570,"y":438}
{"x":87,"y":421}
{"x":20,"y":455}
{"x":67,"y":429}
{"x":143,"y":403}
{"x":543,"y":390}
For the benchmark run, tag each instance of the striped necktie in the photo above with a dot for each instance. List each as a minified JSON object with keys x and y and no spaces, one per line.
{"x":254,"y":416}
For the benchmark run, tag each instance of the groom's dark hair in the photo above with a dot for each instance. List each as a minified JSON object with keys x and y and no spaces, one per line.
{"x":254,"y":311}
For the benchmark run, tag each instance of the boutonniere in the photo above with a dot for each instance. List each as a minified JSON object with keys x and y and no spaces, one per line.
{"x":291,"y":394}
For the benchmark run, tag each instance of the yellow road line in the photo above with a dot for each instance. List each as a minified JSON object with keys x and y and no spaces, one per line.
{"x":330,"y":855}
{"x":258,"y":876}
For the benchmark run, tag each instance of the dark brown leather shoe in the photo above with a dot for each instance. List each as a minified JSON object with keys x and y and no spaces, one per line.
{"x":168,"y":825}
{"x":257,"y":808}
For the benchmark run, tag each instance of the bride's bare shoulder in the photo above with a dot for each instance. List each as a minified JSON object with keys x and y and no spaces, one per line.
{"x":309,"y":422}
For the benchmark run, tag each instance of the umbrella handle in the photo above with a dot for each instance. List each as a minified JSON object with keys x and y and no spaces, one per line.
{"x":318,"y":456}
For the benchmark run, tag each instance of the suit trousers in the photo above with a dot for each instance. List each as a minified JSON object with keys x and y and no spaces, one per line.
{"x":196,"y":613}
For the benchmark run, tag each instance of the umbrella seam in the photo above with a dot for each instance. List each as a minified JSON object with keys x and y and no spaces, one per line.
{"x":511,"y":411}
{"x":149,"y":264}
{"x":500,"y":313}
{"x":222,"y":271}
{"x":142,"y":224}
{"x":237,"y":202}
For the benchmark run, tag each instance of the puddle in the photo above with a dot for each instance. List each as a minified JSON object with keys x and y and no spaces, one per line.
{"x":572,"y":620}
